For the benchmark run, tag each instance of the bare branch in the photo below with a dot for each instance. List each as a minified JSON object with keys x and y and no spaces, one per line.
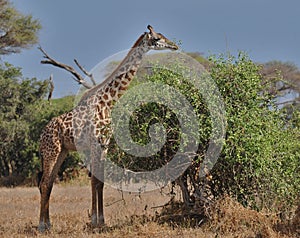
{"x":51,"y":87}
{"x":85,"y":72}
{"x":78,"y":78}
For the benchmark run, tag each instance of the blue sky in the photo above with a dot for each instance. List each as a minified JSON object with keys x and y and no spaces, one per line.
{"x":93,"y":30}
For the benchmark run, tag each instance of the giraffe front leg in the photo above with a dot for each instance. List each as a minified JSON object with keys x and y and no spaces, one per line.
{"x":97,"y":216}
{"x":100,"y":217}
{"x":97,"y":182}
{"x":100,"y":186}
{"x":94,"y":201}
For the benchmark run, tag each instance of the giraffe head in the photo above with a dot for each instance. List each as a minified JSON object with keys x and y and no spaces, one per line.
{"x":157,"y":41}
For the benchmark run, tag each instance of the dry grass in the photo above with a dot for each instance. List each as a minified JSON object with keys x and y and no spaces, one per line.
{"x":132,"y":216}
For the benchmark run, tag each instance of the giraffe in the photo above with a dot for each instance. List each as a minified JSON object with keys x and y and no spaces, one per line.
{"x":91,"y":116}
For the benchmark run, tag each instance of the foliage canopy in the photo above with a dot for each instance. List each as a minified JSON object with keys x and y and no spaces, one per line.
{"x":17,"y":31}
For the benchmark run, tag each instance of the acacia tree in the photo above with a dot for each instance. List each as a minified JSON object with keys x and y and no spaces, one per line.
{"x":17,"y":31}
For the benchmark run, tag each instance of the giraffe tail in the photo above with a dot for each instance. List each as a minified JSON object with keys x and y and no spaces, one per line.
{"x":39,"y":178}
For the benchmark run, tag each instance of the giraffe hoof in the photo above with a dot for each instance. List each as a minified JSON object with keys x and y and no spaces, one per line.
{"x":94,"y":221}
{"x":101,"y":222}
{"x":101,"y":225}
{"x":44,"y":227}
{"x":97,"y":223}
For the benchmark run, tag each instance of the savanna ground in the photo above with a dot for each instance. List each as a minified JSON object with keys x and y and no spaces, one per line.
{"x":131,"y":215}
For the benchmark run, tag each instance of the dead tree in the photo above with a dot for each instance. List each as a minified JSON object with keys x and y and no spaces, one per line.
{"x":51,"y":87}
{"x":77,"y":76}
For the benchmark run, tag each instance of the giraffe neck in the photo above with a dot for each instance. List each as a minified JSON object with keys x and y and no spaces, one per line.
{"x":121,"y":78}
{"x":118,"y":82}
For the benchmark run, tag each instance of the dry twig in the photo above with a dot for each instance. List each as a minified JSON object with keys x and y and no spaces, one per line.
{"x":78,"y":78}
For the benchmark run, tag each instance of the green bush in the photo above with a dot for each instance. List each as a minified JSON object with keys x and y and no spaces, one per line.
{"x":259,"y":163}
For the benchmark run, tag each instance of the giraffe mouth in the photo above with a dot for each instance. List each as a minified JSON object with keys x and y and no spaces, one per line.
{"x":166,"y":45}
{"x":173,"y":47}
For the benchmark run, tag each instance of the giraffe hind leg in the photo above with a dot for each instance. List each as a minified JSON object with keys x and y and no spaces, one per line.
{"x":46,"y":183}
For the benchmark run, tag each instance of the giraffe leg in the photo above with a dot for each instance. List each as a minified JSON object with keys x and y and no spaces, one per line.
{"x":97,"y":218}
{"x":99,"y":188}
{"x":94,"y":201}
{"x":45,"y":186}
{"x":45,"y":190}
{"x":97,"y":183}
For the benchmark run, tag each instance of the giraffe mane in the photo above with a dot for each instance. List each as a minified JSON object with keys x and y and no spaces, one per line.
{"x":108,"y":78}
{"x":136,"y":44}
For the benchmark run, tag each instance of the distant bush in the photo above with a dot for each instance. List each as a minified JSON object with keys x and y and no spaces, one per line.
{"x":23,"y":114}
{"x":19,"y":102}
{"x":260,"y":161}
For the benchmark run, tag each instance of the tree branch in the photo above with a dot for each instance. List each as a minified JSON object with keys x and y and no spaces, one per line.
{"x":78,"y":78}
{"x":51,"y":87}
{"x":286,"y":102}
{"x":85,"y":72}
